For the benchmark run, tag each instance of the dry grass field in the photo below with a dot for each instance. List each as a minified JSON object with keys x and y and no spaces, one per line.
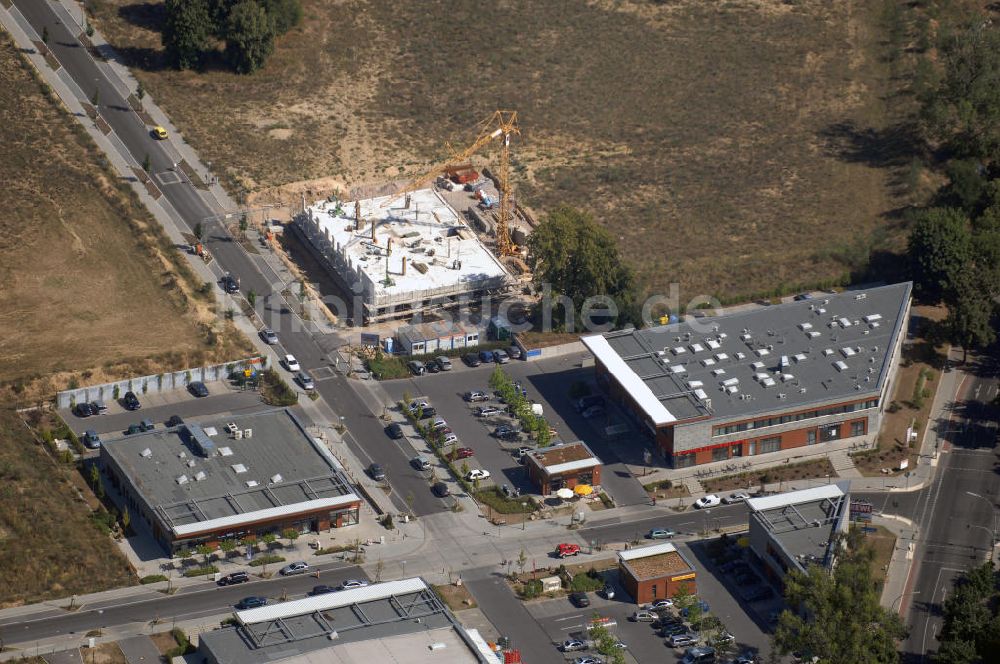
{"x":49,"y":547}
{"x":731,"y":146}
{"x":90,"y":284}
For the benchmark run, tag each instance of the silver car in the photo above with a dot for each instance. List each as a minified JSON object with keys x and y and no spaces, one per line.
{"x":305,"y":380}
{"x":294,"y":568}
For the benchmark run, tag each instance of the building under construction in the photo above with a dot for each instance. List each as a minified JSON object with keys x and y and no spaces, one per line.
{"x":402,"y":254}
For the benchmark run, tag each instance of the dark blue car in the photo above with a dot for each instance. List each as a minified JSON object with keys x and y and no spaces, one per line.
{"x":251,"y":603}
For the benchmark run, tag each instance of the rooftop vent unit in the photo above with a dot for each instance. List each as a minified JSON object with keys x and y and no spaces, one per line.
{"x":805,"y":326}
{"x":239,"y":468}
{"x":762,"y":352}
{"x":840,"y":365}
{"x":871,"y":318}
{"x":874,"y":325}
{"x":782,"y":395}
{"x":847,"y":351}
{"x":768,"y":382}
{"x":784,"y":361}
{"x":802,"y":390}
{"x":701,"y":395}
{"x":720,"y":357}
{"x":694,"y":384}
{"x":203,"y":445}
{"x":182,"y":455}
{"x":696,"y":348}
{"x":730,"y":382}
{"x":718,"y":372}
{"x":812,"y":334}
{"x":799,"y":357}
{"x":276,"y":478}
{"x":746,"y":337}
{"x":679,"y":350}
{"x":238,"y":434}
{"x":731,"y":389}
{"x":146,"y":453}
{"x":722,"y":335}
{"x":707,"y":362}
{"x":821,"y":311}
{"x":190,"y":464}
{"x":827,"y":352}
{"x":713,"y":344}
{"x":844,"y":322}
{"x":231,"y":427}
{"x":677,"y":368}
{"x":757,"y":366}
{"x":252,"y":483}
{"x":860,"y":296}
{"x":200,"y":476}
{"x":786,"y":377}
{"x":225,"y":451}
{"x":247,"y":433}
{"x":741,"y":356}
{"x":181,"y":479}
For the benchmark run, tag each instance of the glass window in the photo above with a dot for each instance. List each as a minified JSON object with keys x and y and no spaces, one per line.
{"x":828,"y":433}
{"x":772,"y":444}
{"x":683,"y":460}
{"x":858,"y":428}
{"x":720,"y":454}
{"x":811,"y":437}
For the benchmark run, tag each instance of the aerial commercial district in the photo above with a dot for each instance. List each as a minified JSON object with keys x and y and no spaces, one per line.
{"x":440,"y":416}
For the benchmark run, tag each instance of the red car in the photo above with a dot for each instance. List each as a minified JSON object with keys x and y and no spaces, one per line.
{"x":461,"y":453}
{"x":564,"y":550}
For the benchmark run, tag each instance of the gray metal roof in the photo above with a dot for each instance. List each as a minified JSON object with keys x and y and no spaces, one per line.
{"x":798,"y":346}
{"x":169,"y":468}
{"x":804,"y":523}
{"x":374,"y":617}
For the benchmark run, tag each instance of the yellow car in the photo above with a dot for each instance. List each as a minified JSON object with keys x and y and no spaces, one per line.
{"x":159,"y":132}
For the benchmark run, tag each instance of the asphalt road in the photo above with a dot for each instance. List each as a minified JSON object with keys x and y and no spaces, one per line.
{"x":367,"y":436}
{"x":188,"y":603}
{"x":957,"y":528}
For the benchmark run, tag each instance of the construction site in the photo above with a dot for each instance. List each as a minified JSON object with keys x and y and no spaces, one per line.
{"x":450,"y":235}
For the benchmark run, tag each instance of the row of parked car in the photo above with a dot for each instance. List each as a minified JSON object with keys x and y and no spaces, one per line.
{"x":443,"y":362}
{"x":130,"y":401}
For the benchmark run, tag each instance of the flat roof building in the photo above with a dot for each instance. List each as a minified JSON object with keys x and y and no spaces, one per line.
{"x":396,"y":621}
{"x":760,"y":380}
{"x":655,"y":572}
{"x":402,"y":254}
{"x":563,"y":466}
{"x":237,"y":475}
{"x":792,"y":530}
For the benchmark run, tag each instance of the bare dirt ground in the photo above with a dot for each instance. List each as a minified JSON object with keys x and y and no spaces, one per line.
{"x":89,"y":282}
{"x":732,"y":147}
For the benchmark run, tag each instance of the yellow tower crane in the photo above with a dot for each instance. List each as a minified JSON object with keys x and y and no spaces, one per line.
{"x":501,"y":125}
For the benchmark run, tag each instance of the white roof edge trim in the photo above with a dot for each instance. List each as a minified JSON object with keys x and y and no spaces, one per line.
{"x":300,"y":607}
{"x":646,"y":551}
{"x":628,"y":379}
{"x":795,"y":497}
{"x":257,"y":515}
{"x":572,"y":465}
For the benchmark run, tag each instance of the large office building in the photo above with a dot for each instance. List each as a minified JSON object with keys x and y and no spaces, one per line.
{"x":241,"y":475}
{"x":395,"y":621}
{"x":760,"y":380}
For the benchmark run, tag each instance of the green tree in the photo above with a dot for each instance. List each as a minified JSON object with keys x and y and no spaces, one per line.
{"x":840,"y":620}
{"x":140,"y":94}
{"x":580,"y":259}
{"x":286,"y":14}
{"x":606,"y":643}
{"x":290,"y":534}
{"x":971,"y":630}
{"x":269,"y":539}
{"x":250,"y":36}
{"x":95,"y":475}
{"x":205,"y":550}
{"x":186,"y":30}
{"x":227,"y":546}
{"x":184,"y":554}
{"x":243,"y":225}
{"x":522,"y":560}
{"x":970,"y":314}
{"x":146,"y":164}
{"x":252,"y":298}
{"x":940,"y":246}
{"x":964,"y":109}
{"x":95,"y":99}
{"x":126,"y":520}
{"x":45,"y":34}
{"x":199,"y":231}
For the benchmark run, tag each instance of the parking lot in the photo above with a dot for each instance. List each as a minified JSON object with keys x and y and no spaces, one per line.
{"x":547,"y":383}
{"x":158,"y":408}
{"x":562,"y":620}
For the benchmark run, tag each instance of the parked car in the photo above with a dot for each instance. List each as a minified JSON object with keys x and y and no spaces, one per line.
{"x":229,"y":284}
{"x":500,"y":356}
{"x":251,"y":603}
{"x":699,"y":655}
{"x":487,"y":411}
{"x":233,"y":578}
{"x":734,"y":498}
{"x":133,"y":429}
{"x":268,"y":336}
{"x":643,"y":616}
{"x":98,"y":408}
{"x":514,"y":352}
{"x":681,"y":640}
{"x":441,"y":490}
{"x":608,"y":591}
{"x":174,"y":421}
{"x":428,"y":412}
{"x":564,"y":550}
{"x":661,"y":604}
{"x":661,"y":533}
{"x":91,"y":440}
{"x":130,"y":401}
{"x":198,"y":389}
{"x":83,"y":409}
{"x":394,"y":431}
{"x":443,"y":362}
{"x":439,"y":425}
{"x":520,"y":453}
{"x":486,"y":356}
{"x":475,"y":396}
{"x":417,"y":405}
{"x":420,"y":463}
{"x":461,"y":453}
{"x":291,"y":363}
{"x":802,"y":296}
{"x":593,"y":412}
{"x":672,"y":630}
{"x":377,"y":472}
{"x":159,"y":133}
{"x":583,"y":403}
{"x":449,"y":438}
{"x":711,"y":500}
{"x":351,"y":584}
{"x":579,"y":599}
{"x":588,"y":659}
{"x":572,"y":645}
{"x":432,"y":367}
{"x":146,"y":425}
{"x":471,"y":359}
{"x":322,"y":590}
{"x":477,"y":474}
{"x":416,"y":367}
{"x":305,"y":380}
{"x":702,"y":604}
{"x":294,"y":568}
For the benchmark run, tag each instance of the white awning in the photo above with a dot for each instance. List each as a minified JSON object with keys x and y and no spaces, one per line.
{"x":628,"y":379}
{"x":189,"y":529}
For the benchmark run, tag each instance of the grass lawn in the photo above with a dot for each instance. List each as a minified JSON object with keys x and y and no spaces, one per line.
{"x":882,"y":542}
{"x":456,"y":597}
{"x":813,"y":469}
{"x":691,"y":129}
{"x":93,"y":290}
{"x":49,"y":547}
